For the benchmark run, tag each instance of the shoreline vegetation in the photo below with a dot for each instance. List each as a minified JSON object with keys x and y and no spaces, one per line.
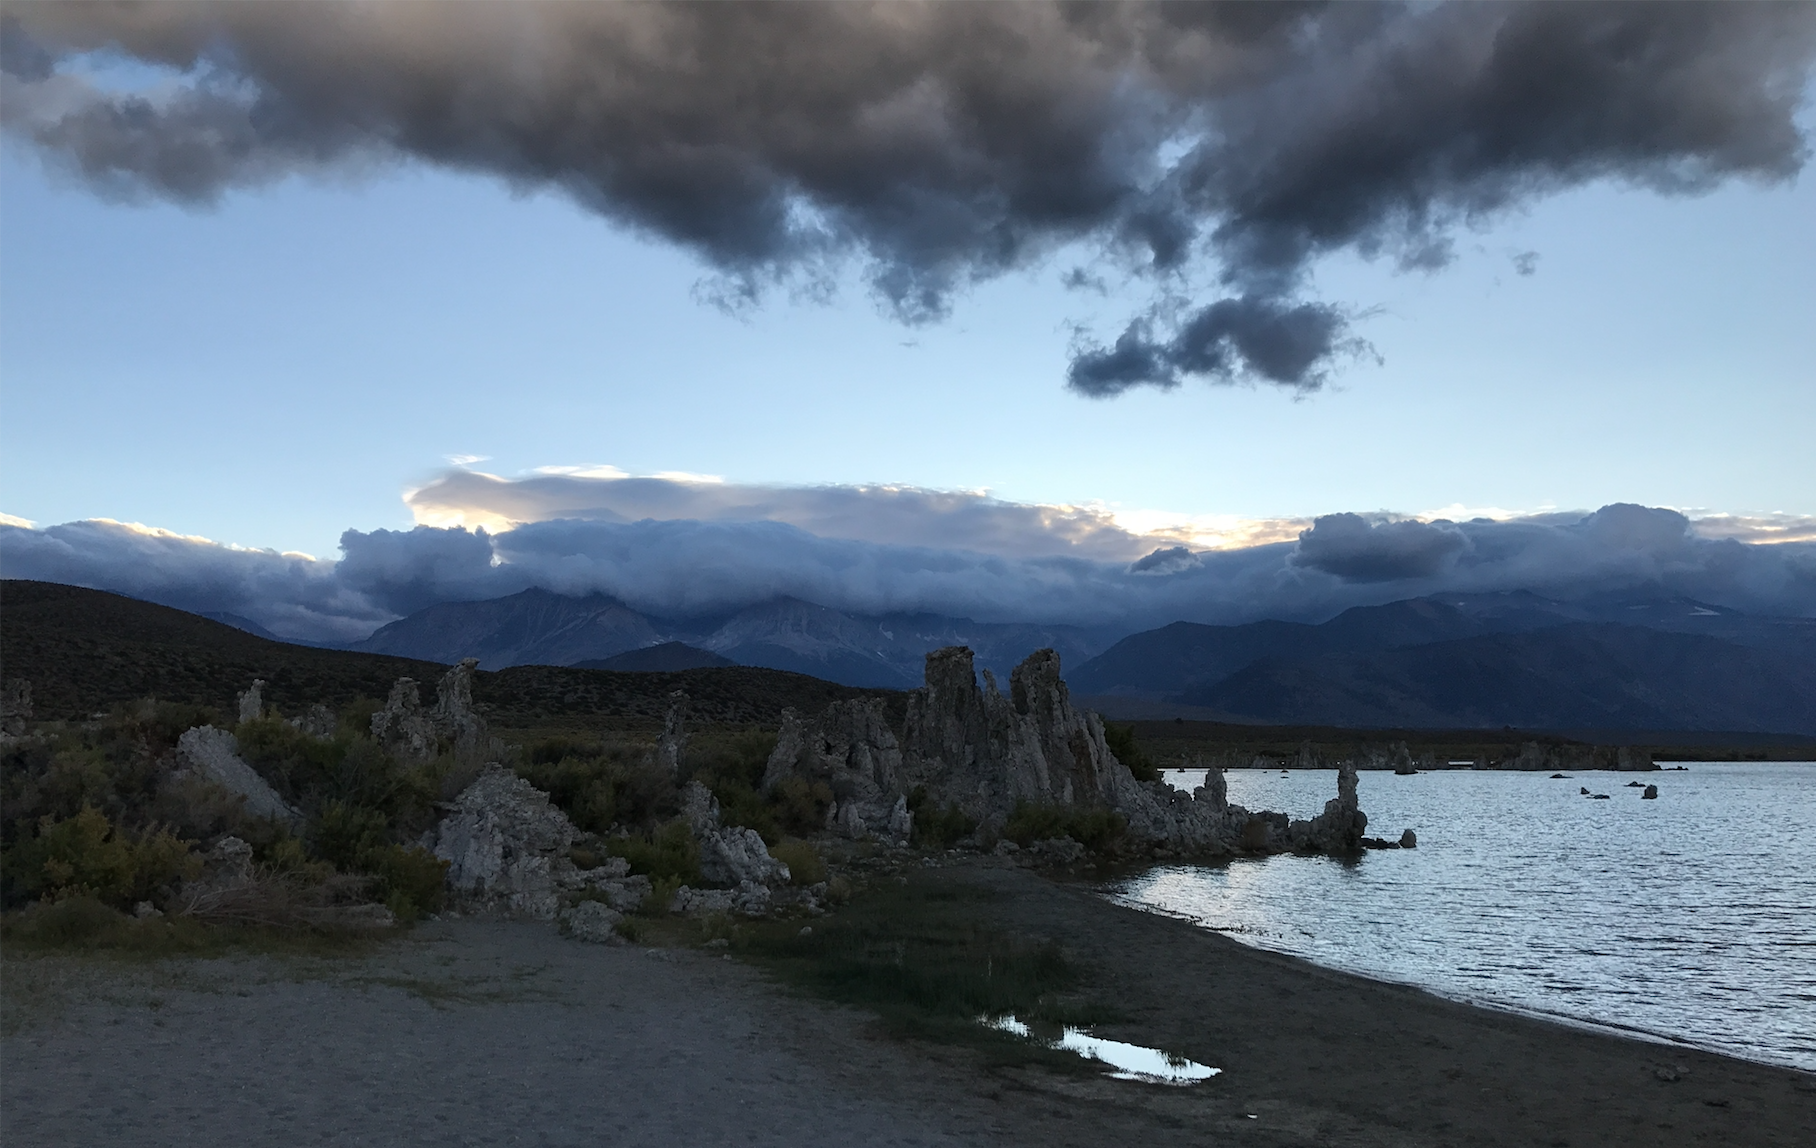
{"x":328,"y":830}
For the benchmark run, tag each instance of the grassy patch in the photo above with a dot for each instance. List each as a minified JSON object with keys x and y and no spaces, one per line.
{"x":85,"y":925}
{"x":1098,"y":830}
{"x":927,"y":960}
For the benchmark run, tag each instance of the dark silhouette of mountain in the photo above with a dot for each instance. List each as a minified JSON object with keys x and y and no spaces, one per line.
{"x":669,"y":657}
{"x":537,"y":627}
{"x":86,"y":650}
{"x":1580,"y":676}
{"x":1186,"y":655}
{"x":240,"y":622}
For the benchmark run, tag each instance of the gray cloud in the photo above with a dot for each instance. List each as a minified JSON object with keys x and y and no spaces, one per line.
{"x":942,"y":144}
{"x":690,"y":567}
{"x":900,"y":515}
{"x":292,"y":594}
{"x":1357,"y":550}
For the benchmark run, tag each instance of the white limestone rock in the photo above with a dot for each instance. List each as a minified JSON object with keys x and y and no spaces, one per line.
{"x":594,"y":922}
{"x":505,"y":844}
{"x":252,"y":704}
{"x":214,"y":754}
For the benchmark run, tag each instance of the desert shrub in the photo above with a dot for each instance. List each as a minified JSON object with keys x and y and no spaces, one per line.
{"x":600,"y":788}
{"x":342,"y":832}
{"x":76,"y":920}
{"x":1096,"y":829}
{"x":668,"y":851}
{"x":411,"y":881}
{"x":804,"y":864}
{"x":799,"y":806}
{"x":1121,"y":740}
{"x":923,"y":958}
{"x":740,"y":756}
{"x":936,"y":828}
{"x":661,"y":892}
{"x":743,"y":806}
{"x":89,"y":856}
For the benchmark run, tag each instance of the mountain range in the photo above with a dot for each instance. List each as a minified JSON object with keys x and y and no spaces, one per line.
{"x":1475,"y":661}
{"x":1447,"y":661}
{"x":537,"y":627}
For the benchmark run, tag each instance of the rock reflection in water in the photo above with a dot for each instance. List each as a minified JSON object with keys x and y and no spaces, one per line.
{"x":1129,"y":1061}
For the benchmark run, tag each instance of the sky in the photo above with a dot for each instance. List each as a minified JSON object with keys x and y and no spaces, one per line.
{"x":326,"y":331}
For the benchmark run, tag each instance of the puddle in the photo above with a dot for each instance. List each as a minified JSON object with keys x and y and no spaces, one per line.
{"x":1128,"y":1061}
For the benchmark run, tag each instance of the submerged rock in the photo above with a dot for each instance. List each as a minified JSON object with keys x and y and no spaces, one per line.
{"x":1651,"y":793}
{"x":214,"y":755}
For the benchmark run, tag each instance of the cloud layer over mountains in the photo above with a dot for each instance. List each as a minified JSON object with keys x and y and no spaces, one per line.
{"x":705,"y":564}
{"x":1213,"y":152}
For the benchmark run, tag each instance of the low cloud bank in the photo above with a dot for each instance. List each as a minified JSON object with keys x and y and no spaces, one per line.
{"x":682,"y":567}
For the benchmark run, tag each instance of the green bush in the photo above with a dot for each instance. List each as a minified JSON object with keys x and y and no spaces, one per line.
{"x":743,"y":806}
{"x":936,"y":828}
{"x":803,"y":861}
{"x":1121,"y":740}
{"x":1098,"y":830}
{"x":669,"y":851}
{"x":598,"y":787}
{"x":89,"y":856}
{"x":800,"y":806}
{"x":412,"y":882}
{"x":341,"y":833}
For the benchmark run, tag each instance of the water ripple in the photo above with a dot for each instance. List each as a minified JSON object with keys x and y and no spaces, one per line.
{"x":1689,"y":918}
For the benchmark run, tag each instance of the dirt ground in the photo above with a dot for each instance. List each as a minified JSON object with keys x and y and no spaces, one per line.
{"x":472,"y":1032}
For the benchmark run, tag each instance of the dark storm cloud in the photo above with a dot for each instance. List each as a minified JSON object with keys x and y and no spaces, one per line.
{"x":1357,"y":550}
{"x":942,"y":144}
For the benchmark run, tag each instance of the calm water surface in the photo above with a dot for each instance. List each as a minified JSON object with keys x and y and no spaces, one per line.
{"x":1690,"y":918}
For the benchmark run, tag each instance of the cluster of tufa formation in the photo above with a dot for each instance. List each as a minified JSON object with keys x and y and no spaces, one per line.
{"x":413,"y":733}
{"x":984,"y":753}
{"x":851,"y":750}
{"x":508,"y":849}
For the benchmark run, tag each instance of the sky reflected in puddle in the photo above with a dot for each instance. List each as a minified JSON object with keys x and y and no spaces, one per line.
{"x":1127,"y":1061}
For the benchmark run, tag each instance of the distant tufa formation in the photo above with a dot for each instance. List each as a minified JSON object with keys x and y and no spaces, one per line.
{"x":983,"y":753}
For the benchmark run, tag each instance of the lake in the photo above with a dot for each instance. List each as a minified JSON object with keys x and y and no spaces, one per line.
{"x":1691,"y":918}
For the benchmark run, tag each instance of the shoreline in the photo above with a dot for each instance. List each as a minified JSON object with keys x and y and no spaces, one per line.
{"x":1489,"y":1004}
{"x":507,"y":1030}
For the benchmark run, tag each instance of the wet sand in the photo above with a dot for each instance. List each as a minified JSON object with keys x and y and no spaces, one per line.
{"x":470,"y":1032}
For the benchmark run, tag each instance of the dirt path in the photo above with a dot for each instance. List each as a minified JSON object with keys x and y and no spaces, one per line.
{"x":487,"y":1033}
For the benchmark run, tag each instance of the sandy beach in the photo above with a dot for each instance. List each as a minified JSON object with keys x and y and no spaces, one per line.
{"x":485,"y":1032}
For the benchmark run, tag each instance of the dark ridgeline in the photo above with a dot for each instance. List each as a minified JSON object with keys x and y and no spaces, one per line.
{"x":1476,"y":661}
{"x":85,"y":650}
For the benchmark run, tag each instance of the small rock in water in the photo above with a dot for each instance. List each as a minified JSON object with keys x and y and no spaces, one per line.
{"x":1601,"y":797}
{"x":1409,"y":840}
{"x":1651,"y":793}
{"x":1584,"y":791}
{"x":1560,"y":777}
{"x":1635,"y":784}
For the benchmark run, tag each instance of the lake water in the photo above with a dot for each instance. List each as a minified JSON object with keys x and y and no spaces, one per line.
{"x":1691,"y":918}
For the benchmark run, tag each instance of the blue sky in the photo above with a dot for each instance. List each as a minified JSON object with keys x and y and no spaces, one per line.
{"x":295,"y":279}
{"x":278,"y":369}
